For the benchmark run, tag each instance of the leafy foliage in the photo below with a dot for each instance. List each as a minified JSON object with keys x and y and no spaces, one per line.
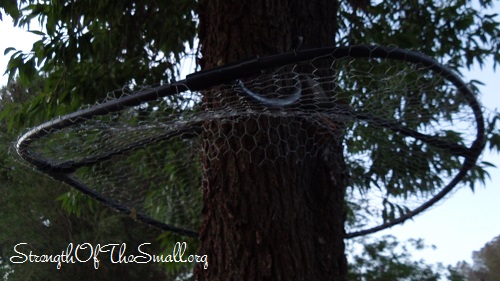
{"x":456,"y":33}
{"x":388,"y":259}
{"x":486,"y":263}
{"x":89,"y":48}
{"x":48,"y":217}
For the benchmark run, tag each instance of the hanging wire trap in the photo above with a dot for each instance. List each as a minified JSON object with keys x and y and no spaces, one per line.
{"x":410,"y":129}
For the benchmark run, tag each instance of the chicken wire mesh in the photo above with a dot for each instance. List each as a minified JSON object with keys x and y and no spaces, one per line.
{"x":409,"y":128}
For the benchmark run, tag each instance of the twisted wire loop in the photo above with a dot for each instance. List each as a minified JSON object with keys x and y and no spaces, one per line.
{"x":411,"y":131}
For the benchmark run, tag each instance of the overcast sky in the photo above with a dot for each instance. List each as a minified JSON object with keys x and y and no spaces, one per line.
{"x":464,"y":222}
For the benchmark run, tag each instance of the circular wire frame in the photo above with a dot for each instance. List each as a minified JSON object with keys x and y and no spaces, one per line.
{"x":234,"y":74}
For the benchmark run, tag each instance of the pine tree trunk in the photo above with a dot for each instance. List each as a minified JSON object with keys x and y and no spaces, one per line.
{"x":267,"y":217}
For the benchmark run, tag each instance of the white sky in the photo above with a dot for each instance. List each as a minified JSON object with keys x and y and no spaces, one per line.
{"x":461,"y":224}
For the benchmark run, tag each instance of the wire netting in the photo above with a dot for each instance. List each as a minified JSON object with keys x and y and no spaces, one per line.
{"x":409,"y":129}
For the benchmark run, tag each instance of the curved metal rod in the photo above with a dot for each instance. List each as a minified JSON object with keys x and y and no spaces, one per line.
{"x":455,"y":149}
{"x":119,"y":207}
{"x":231,"y":72}
{"x":468,"y":164}
{"x":224,"y":74}
{"x":62,"y":172}
{"x":320,"y":96}
{"x":273,"y":102}
{"x":192,"y":128}
{"x":71,"y":166}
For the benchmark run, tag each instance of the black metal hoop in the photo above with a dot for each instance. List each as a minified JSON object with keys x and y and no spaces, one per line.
{"x":233,"y":72}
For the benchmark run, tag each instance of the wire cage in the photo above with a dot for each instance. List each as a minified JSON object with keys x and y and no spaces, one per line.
{"x":410,"y":129}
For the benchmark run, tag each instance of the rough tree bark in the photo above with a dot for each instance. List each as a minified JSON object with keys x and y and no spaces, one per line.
{"x":280,"y":220}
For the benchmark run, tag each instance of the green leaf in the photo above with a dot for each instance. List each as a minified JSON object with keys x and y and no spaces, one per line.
{"x":8,"y":50}
{"x":4,"y":112}
{"x":37,"y":32}
{"x":494,"y":142}
{"x":10,"y":8}
{"x":488,"y":164}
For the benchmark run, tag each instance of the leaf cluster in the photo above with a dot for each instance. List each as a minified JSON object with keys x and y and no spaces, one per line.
{"x":43,"y":213}
{"x":455,"y":33}
{"x":486,"y":263}
{"x":386,"y":258}
{"x":89,"y":48}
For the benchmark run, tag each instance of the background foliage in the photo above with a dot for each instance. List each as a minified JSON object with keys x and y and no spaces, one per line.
{"x":89,"y":48}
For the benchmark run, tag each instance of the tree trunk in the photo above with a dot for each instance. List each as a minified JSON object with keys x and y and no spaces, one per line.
{"x":273,"y":209}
